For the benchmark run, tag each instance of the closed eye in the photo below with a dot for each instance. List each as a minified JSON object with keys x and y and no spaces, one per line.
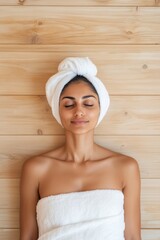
{"x":67,"y":106}
{"x":72,"y":105}
{"x":89,"y":105}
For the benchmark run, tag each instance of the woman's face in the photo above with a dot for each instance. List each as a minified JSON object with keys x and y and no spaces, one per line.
{"x":79,"y":108}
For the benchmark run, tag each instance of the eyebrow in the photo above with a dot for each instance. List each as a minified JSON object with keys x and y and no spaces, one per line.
{"x":84,"y":97}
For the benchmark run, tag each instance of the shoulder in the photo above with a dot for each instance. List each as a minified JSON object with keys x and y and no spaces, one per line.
{"x":127,"y":165}
{"x":33,"y":167}
{"x":130,"y":170}
{"x":118,"y":159}
{"x":125,"y":161}
{"x":130,"y":164}
{"x":32,"y":163}
{"x":37,"y":165}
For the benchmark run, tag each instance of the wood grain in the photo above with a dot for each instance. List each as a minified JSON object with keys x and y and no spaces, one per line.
{"x":25,"y":70}
{"x":150,"y":234}
{"x":9,"y":197}
{"x":150,"y":203}
{"x":7,"y":234}
{"x":81,"y":2}
{"x":9,"y":219}
{"x":16,"y":149}
{"x":127,"y":115}
{"x":79,"y":25}
{"x":123,"y":39}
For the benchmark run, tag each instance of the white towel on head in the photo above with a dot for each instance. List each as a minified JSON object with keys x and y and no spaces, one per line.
{"x":67,"y":70}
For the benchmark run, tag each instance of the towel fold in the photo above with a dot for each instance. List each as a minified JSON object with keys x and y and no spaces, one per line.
{"x":88,"y":215}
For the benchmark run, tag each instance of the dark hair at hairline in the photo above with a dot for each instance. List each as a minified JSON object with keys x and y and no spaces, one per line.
{"x":80,"y":78}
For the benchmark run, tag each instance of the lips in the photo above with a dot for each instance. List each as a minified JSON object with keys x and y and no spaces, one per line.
{"x":79,"y":122}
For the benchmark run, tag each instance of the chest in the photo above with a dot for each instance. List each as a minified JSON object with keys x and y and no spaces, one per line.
{"x":62,"y":177}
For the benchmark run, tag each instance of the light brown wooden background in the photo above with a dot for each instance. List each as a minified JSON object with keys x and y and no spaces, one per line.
{"x":123,"y":39}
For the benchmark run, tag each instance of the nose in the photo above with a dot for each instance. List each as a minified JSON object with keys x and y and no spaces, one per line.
{"x":79,"y":113}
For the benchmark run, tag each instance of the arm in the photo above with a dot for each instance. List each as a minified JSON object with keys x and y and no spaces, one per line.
{"x":132,"y":200}
{"x":28,"y":201}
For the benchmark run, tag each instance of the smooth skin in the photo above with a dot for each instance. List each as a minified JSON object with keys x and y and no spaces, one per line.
{"x":79,"y":165}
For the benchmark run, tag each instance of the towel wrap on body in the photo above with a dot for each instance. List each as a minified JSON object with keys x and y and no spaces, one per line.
{"x":88,"y":215}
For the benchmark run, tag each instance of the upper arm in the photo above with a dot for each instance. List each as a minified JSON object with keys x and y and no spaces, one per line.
{"x":132,"y":201}
{"x":28,"y":200}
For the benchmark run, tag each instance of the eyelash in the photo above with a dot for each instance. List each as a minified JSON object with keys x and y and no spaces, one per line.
{"x":87,"y":105}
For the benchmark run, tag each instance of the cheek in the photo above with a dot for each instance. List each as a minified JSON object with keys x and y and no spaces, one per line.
{"x":64,"y":115}
{"x":94,"y":114}
{"x":63,"y":118}
{"x":61,"y":114}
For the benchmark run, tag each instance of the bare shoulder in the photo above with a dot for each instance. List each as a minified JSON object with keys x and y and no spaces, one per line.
{"x":33,"y":167}
{"x":131,"y":169}
{"x":38,"y":165}
{"x":32,"y":163}
{"x":128,"y":167}
{"x":125,"y":161}
{"x":129,"y":164}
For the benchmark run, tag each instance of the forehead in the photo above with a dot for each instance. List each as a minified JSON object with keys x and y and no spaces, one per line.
{"x":81,"y":88}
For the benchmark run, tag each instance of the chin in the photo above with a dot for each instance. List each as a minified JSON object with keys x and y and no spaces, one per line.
{"x":81,"y":130}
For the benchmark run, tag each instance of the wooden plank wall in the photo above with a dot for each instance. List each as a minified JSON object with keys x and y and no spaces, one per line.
{"x":123,"y":39}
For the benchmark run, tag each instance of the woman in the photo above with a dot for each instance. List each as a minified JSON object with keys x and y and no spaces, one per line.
{"x":79,"y":191}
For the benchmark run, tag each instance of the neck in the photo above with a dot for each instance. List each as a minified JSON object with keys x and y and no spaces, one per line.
{"x":79,"y":147}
